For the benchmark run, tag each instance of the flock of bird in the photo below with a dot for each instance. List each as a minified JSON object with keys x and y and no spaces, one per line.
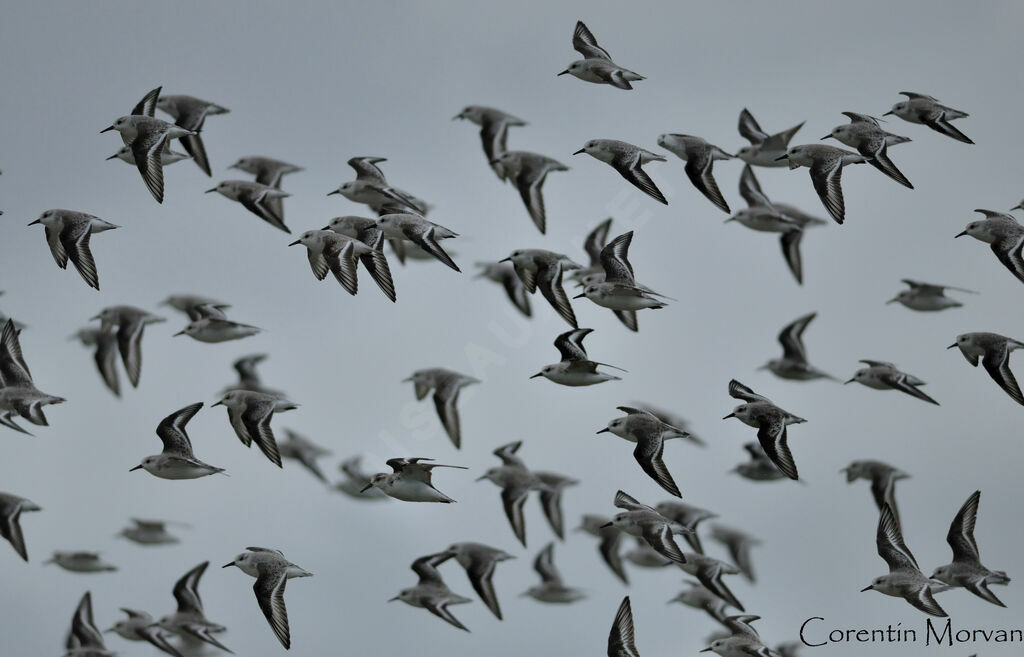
{"x":608,"y":280}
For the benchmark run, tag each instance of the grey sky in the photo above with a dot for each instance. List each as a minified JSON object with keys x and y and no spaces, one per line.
{"x":315,"y":83}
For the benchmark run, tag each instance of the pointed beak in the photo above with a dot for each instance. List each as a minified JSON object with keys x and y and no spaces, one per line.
{"x":234,"y":166}
{"x":111,"y":158}
{"x":606,"y":429}
{"x":951,"y":346}
{"x":867,"y":588}
{"x":333,"y":193}
{"x":365,"y":488}
{"x":508,"y":259}
{"x":536,"y":375}
{"x":888,"y":113}
{"x":37,"y":221}
{"x":228,"y":565}
{"x":220,"y":403}
{"x":580,"y":296}
{"x":850,"y":381}
{"x":729,"y":416}
{"x":178,"y":333}
{"x":210,"y":190}
{"x":784,"y":156}
{"x":1019,"y":206}
{"x":708,"y":649}
{"x":481,"y":478}
{"x":297,"y":242}
{"x":893,"y":300}
{"x":582,"y":150}
{"x":395,"y":598}
{"x":562,"y":73}
{"x":606,"y":525}
{"x":109,"y":629}
{"x":138,"y":467}
{"x":960,"y":234}
{"x":107,"y":129}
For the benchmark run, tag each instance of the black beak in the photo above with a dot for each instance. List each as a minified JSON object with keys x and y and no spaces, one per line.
{"x":606,"y":525}
{"x":228,"y":565}
{"x":220,"y":403}
{"x":582,"y":150}
{"x":729,"y":416}
{"x":366,"y":488}
{"x":867,"y":588}
{"x":138,"y":467}
{"x":112,"y":156}
{"x":563,"y":72}
{"x":298,"y":241}
{"x":604,"y":430}
{"x":579,"y":296}
{"x":828,"y":136}
{"x":536,"y":375}
{"x":333,"y":193}
{"x":850,"y":381}
{"x":951,"y":346}
{"x":784,"y":156}
{"x":37,"y":221}
{"x":107,"y":129}
{"x":888,"y":113}
{"x":508,"y":259}
{"x":960,"y":234}
{"x":210,"y":190}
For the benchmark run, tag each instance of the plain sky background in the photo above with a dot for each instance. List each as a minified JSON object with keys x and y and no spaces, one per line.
{"x":315,"y":83}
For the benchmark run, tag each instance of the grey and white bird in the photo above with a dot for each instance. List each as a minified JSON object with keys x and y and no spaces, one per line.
{"x":826,"y":167}
{"x":643,"y":521}
{"x":794,"y":364}
{"x":213,"y":326}
{"x":430,"y":592}
{"x":149,"y":532}
{"x":881,"y":375}
{"x":190,"y":114}
{"x":189,"y":620}
{"x":372,"y":189}
{"x":504,"y":274}
{"x":190,"y":304}
{"x":673,"y":419}
{"x":410,"y":480}
{"x":551,"y":588}
{"x":764,"y":215}
{"x":328,"y":250}
{"x":966,"y":570}
{"x":771,"y":422}
{"x":688,"y":516}
{"x":261,"y":200}
{"x":1004,"y":235}
{"x":479,"y":562}
{"x":18,"y":392}
{"x":926,"y":110}
{"x":575,"y":369}
{"x":622,"y":637}
{"x":764,"y":149}
{"x":864,"y":133}
{"x":738,"y":543}
{"x":552,"y":484}
{"x":699,"y":597}
{"x":356,"y":480}
{"x":268,"y":171}
{"x":649,"y":433}
{"x":494,"y":125}
{"x":249,"y":377}
{"x":305,"y":451}
{"x":741,"y":639}
{"x":927,"y":297}
{"x":80,"y":562}
{"x":11,"y":508}
{"x":104,"y":344}
{"x":250,"y":414}
{"x":708,"y":572}
{"x":130,"y":323}
{"x":618,"y":289}
{"x":538,"y":268}
{"x":272,"y":571}
{"x":446,"y":385}
{"x":84,"y":639}
{"x":758,"y":467}
{"x":597,"y":65}
{"x":176,"y":461}
{"x":610,"y":544}
{"x":167,"y":156}
{"x":140,"y":626}
{"x":905,"y":580}
{"x":407,"y":227}
{"x":994,"y":352}
{"x":628,"y":160}
{"x":516,"y":481}
{"x":700,"y":157}
{"x":148,"y":138}
{"x":528,"y":171}
{"x":68,"y":233}
{"x":883,"y":478}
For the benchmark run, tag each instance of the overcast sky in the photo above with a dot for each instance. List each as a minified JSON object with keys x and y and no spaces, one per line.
{"x":315,"y":83}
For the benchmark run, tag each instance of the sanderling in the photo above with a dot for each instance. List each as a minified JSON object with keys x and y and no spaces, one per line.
{"x":190,"y":113}
{"x":131,"y":323}
{"x":967,"y":570}
{"x":611,"y":541}
{"x":140,"y":626}
{"x":597,"y":65}
{"x":905,"y":580}
{"x":758,"y":467}
{"x":505,"y":275}
{"x":552,"y":485}
{"x":68,"y":233}
{"x":11,"y":508}
{"x":688,"y":516}
{"x":104,"y":354}
{"x":621,"y":638}
{"x":883,"y":479}
{"x":528,"y":171}
{"x":739,"y":544}
{"x":700,"y":157}
{"x":649,"y":433}
{"x":516,"y":482}
{"x":920,"y":108}
{"x":826,"y":164}
{"x":881,"y":375}
{"x":410,"y":480}
{"x":551,"y":587}
{"x":698,"y":597}
{"x":372,"y":189}
{"x":994,"y":351}
{"x":189,"y":621}
{"x":167,"y":156}
{"x":329,"y":250}
{"x":303,"y":450}
{"x":212,"y":326}
{"x":771,"y":422}
{"x":268,"y":171}
{"x":618,"y":289}
{"x":672,"y":419}
{"x":708,"y":572}
{"x":272,"y":571}
{"x":80,"y":562}
{"x":416,"y":229}
{"x":18,"y":393}
{"x":250,"y":414}
{"x":865,"y":134}
{"x":927,"y":296}
{"x":537,"y":268}
{"x":188,"y":304}
{"x":793,"y":364}
{"x":84,"y":639}
{"x":643,"y":521}
{"x":494,"y":125}
{"x":446,"y":385}
{"x":431,"y":593}
{"x":1005,"y":236}
{"x":479,"y":561}
{"x":741,"y":640}
{"x":176,"y":461}
{"x":628,"y":160}
{"x":764,"y":149}
{"x":255,"y":198}
{"x":355,"y":481}
{"x":149,"y":532}
{"x":575,"y":369}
